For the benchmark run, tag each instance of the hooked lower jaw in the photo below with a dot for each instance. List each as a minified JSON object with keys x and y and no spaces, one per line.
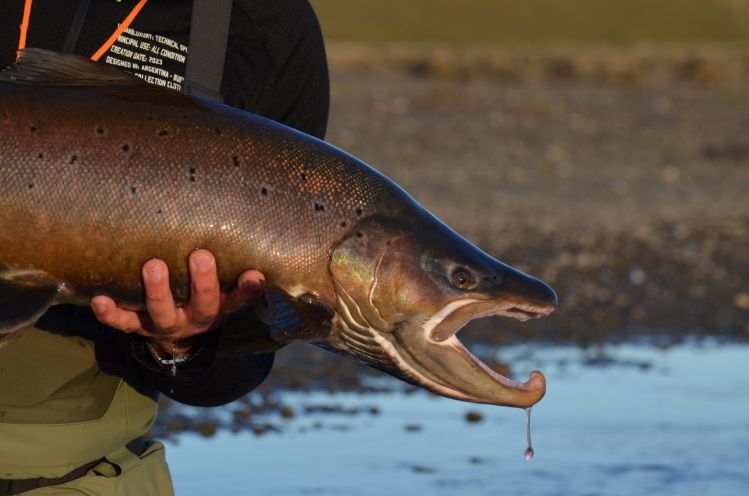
{"x":524,"y":394}
{"x":441,"y":330}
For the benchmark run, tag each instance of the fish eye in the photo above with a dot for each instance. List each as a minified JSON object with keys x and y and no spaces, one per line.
{"x":462,"y":279}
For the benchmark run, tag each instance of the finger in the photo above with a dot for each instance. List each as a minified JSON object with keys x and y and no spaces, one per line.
{"x":250,"y":284}
{"x":107,"y":312}
{"x":249,"y":290}
{"x":159,"y":300}
{"x":205,"y":293}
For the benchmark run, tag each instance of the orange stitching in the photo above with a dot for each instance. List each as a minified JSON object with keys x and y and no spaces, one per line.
{"x":24,"y":25}
{"x":123,"y":26}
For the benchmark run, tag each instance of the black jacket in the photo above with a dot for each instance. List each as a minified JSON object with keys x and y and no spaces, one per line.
{"x":275,"y":66}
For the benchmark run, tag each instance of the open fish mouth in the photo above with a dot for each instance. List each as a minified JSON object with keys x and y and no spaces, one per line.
{"x":445,"y":366}
{"x":444,"y":326}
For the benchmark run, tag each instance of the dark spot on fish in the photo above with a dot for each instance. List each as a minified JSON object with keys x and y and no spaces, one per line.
{"x":359,"y":211}
{"x":359,"y":234}
{"x":41,"y":155}
{"x":159,"y":212}
{"x":31,"y":185}
{"x":32,"y":129}
{"x":125,"y":147}
{"x":149,"y":117}
{"x":319,"y":207}
{"x":217,"y":131}
{"x":192,"y":179}
{"x":264,"y":191}
{"x":343,"y":223}
{"x":235,"y":161}
{"x":163,"y":133}
{"x":192,"y":170}
{"x":304,"y":176}
{"x":133,"y":189}
{"x":100,"y":131}
{"x":73,"y":159}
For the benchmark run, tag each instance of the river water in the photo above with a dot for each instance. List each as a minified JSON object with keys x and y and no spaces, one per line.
{"x":622,"y":420}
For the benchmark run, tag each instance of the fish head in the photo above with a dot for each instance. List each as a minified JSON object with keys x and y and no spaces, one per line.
{"x":406,"y":287}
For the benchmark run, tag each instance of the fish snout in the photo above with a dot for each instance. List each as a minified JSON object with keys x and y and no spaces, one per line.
{"x":528,"y":294}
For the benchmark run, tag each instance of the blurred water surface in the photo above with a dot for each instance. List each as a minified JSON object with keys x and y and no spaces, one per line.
{"x":618,"y":420}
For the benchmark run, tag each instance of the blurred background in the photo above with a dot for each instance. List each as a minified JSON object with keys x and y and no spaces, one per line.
{"x":602,"y":146}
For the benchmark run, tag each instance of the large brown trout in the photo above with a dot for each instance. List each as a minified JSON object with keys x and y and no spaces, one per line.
{"x":100,"y":172}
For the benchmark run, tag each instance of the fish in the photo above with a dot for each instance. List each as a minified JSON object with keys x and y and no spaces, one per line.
{"x":100,"y":171}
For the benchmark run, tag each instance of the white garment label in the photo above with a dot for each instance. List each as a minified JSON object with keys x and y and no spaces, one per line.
{"x":156,"y":59}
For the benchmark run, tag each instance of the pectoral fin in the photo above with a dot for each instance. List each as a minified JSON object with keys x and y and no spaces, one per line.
{"x":24,"y":297}
{"x":289,"y":318}
{"x":243,"y":332}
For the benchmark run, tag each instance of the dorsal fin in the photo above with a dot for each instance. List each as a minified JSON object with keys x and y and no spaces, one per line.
{"x":36,"y":66}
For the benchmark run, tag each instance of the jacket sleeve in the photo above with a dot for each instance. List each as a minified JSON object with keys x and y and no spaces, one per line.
{"x":205,"y":380}
{"x":226,"y":363}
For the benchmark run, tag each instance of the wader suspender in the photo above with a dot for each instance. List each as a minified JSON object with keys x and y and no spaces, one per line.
{"x":209,"y":34}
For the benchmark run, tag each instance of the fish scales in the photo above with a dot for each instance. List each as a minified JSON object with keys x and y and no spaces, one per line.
{"x":184,"y":175}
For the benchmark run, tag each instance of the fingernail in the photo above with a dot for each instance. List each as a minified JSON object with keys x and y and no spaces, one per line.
{"x":98,"y":306}
{"x":154,"y":274}
{"x":201,"y":262}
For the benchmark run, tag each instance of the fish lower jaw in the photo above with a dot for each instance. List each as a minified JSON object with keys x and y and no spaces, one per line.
{"x":509,"y":392}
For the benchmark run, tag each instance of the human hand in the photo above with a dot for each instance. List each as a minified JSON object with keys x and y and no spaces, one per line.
{"x":167,"y":323}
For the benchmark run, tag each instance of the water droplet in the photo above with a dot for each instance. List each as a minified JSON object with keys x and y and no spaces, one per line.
{"x":529,"y":451}
{"x":529,"y":454}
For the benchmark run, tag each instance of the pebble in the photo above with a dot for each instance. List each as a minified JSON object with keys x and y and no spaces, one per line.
{"x":741,"y":300}
{"x":474,"y":417}
{"x":423,"y":469}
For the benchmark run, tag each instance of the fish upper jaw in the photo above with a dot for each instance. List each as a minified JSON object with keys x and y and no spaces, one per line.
{"x":457,"y":314}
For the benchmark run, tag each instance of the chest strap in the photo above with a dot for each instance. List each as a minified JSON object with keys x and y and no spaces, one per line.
{"x":209,"y":35}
